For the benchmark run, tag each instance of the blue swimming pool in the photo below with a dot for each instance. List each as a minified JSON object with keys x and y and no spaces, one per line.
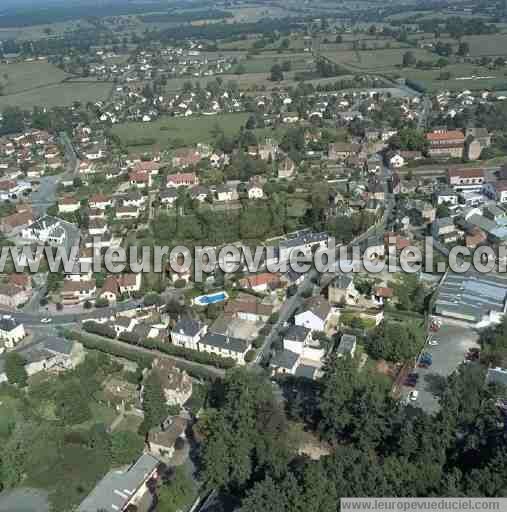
{"x":212,"y":298}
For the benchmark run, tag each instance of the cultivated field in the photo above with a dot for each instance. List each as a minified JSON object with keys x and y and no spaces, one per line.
{"x":187,"y":130}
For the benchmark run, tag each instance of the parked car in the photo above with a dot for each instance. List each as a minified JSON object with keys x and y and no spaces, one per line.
{"x":413,"y":395}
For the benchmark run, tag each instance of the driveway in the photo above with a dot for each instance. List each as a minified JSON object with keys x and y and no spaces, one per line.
{"x":454,"y":340}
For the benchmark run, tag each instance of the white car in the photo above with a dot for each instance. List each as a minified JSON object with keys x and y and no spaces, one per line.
{"x":413,"y":395}
{"x":46,"y":320}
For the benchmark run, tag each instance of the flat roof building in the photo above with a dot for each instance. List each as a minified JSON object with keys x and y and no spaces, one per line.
{"x":472,"y":297}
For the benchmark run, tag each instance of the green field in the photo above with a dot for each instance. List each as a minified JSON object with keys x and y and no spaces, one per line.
{"x":376,"y":60}
{"x":59,"y":95}
{"x":429,"y":79}
{"x":494,"y":44}
{"x":188,"y":131}
{"x":24,"y":76}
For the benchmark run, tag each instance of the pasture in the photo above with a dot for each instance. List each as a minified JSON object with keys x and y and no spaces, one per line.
{"x":24,"y":76}
{"x":384,"y":60}
{"x":463,"y":76}
{"x":186,"y":131}
{"x":58,"y":95}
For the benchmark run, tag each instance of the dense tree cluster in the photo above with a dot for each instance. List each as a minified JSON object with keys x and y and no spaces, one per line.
{"x":377,"y":446}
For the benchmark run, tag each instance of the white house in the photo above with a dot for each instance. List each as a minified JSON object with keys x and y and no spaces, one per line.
{"x":46,"y":230}
{"x":187,"y":332}
{"x":396,"y":161}
{"x":225,"y":346}
{"x":315,"y":315}
{"x":68,"y":205}
{"x":11,"y":331}
{"x":255,"y":192}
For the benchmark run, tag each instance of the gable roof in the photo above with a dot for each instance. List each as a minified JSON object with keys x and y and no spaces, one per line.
{"x":118,"y":487}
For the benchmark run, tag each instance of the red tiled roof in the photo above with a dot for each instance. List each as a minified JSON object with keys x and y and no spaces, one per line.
{"x":465,"y":172}
{"x":445,"y":135}
{"x":259,"y":280}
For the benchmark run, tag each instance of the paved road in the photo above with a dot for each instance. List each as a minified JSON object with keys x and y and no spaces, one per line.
{"x":32,"y":320}
{"x":289,"y":307}
{"x":454,"y":340}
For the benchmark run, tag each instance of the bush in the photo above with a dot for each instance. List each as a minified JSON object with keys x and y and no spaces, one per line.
{"x":100,"y":329}
{"x":180,"y":283}
{"x":101,"y":303}
{"x":250,"y":356}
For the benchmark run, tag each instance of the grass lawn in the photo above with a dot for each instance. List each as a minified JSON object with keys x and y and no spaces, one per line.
{"x":188,"y":130}
{"x":58,"y":95}
{"x":8,"y":408}
{"x":24,"y":76}
{"x":129,"y":423}
{"x":487,"y":44}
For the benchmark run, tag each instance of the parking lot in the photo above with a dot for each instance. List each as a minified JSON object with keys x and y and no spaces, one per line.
{"x":454,"y":340}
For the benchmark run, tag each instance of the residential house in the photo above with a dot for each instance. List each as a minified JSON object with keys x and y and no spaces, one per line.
{"x":445,"y":230}
{"x":186,"y":157}
{"x":444,"y":143}
{"x":266,"y":281}
{"x":187,"y":333}
{"x":127,"y":213}
{"x":11,"y":332}
{"x":342,"y":150}
{"x":46,"y":230}
{"x":100,"y":202}
{"x":465,"y":178}
{"x":15,"y":223}
{"x":176,"y":383}
{"x":162,"y":440}
{"x":396,"y":161}
{"x":129,"y":283}
{"x":68,"y":205}
{"x":225,"y":346}
{"x":182,"y":179}
{"x":315,"y":315}
{"x":286,"y":168}
{"x":496,"y":190}
{"x":168,"y":197}
{"x":303,"y":243}
{"x":52,"y":354}
{"x":347,"y":346}
{"x":140,"y":179}
{"x":122,"y":488}
{"x":446,"y":196}
{"x":227,"y":193}
{"x":342,"y":290}
{"x":77,"y":292}
{"x":254,"y":191}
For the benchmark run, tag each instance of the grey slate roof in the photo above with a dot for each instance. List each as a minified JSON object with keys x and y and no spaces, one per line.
{"x":347,"y":344}
{"x":306,"y":371}
{"x":187,"y":326}
{"x":115,"y":490}
{"x":296,"y":333}
{"x":225,"y":342}
{"x":497,"y":376}
{"x":7,"y":323}
{"x":285,"y":359}
{"x":341,"y":281}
